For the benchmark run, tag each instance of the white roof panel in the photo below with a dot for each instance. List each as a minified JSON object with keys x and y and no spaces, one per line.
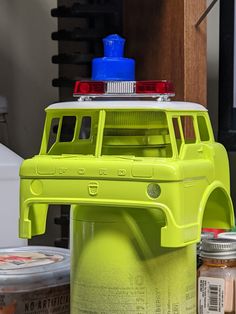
{"x":124,"y":104}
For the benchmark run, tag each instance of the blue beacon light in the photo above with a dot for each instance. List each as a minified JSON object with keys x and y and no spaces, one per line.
{"x":113,"y":66}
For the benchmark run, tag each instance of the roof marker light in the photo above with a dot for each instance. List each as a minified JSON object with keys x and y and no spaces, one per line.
{"x":89,"y":87}
{"x":154,"y":87}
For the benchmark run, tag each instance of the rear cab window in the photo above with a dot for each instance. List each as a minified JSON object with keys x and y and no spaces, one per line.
{"x":136,"y":133}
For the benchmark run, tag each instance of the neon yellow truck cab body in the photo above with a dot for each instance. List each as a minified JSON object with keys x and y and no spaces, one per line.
{"x":133,"y":154}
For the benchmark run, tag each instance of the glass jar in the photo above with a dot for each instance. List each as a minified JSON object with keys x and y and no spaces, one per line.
{"x":216,"y":277}
{"x":204,"y":235}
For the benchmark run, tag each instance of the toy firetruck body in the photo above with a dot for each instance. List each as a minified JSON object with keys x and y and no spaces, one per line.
{"x":129,"y":153}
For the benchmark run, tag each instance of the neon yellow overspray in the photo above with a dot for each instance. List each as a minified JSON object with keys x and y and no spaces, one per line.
{"x":141,"y":190}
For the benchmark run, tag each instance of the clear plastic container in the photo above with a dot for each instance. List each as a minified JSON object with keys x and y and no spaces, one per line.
{"x":34,"y":280}
{"x":216,"y":277}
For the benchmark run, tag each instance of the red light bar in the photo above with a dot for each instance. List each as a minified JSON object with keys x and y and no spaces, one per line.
{"x":154,"y":87}
{"x":89,"y":87}
{"x":123,"y":88}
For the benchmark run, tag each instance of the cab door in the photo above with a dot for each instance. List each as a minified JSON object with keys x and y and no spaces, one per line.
{"x":193,"y":153}
{"x":195,"y":162}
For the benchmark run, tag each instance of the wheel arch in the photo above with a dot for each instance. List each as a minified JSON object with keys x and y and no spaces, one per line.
{"x":216,"y":208}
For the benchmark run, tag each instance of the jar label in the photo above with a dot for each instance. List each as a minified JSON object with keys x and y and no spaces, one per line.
{"x":107,"y":280}
{"x":18,"y":260}
{"x":54,"y":300}
{"x":211,"y":293}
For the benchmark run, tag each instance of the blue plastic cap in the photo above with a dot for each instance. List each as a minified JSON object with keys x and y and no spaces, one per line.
{"x":113,"y":66}
{"x":113,"y":46}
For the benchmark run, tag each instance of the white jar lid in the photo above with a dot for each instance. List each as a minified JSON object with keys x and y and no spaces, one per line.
{"x":227,"y":235}
{"x":33,"y":267}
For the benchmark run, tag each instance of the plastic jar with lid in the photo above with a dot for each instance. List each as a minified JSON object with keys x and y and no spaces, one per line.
{"x":216,"y":277}
{"x":34,"y":280}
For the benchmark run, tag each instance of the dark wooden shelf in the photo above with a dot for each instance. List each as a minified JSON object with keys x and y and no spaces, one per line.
{"x":162,"y":37}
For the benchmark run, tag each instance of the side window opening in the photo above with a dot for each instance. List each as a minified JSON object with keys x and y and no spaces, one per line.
{"x":67,"y":128}
{"x":85,"y":128}
{"x":203,"y":130}
{"x":53,"y":133}
{"x":178,"y":137}
{"x":188,"y":129}
{"x":74,"y":134}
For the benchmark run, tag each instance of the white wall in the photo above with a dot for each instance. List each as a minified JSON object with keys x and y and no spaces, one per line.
{"x":26,"y":70}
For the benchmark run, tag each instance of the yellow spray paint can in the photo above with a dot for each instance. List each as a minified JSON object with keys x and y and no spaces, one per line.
{"x":120,"y":267}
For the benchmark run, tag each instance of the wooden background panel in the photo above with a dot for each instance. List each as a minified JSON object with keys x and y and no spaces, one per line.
{"x":195,"y":55}
{"x":161,"y":36}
